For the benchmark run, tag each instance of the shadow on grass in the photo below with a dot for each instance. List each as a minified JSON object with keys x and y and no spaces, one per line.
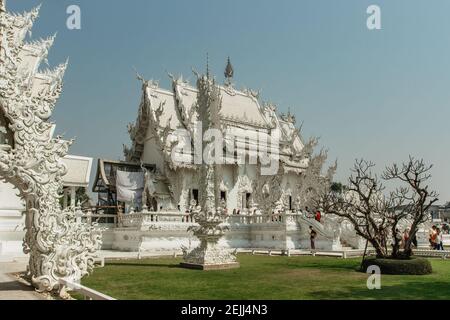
{"x":161,"y":265}
{"x":348,"y":266}
{"x":415,"y":290}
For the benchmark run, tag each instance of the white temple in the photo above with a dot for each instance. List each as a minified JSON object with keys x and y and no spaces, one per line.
{"x":248,"y":126}
{"x":267,"y":177}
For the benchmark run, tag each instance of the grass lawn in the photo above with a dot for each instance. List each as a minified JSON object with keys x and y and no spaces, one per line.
{"x":263,"y":277}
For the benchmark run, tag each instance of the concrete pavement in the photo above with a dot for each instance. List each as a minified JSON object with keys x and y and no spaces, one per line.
{"x":10,"y":287}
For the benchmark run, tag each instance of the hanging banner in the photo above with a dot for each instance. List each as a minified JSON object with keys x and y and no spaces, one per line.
{"x":129,"y":186}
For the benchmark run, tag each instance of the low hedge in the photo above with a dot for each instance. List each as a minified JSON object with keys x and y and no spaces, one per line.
{"x":412,"y":266}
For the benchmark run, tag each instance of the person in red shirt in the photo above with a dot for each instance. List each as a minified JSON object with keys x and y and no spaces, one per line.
{"x":318,"y":216}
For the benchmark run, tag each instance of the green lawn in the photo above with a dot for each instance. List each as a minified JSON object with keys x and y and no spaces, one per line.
{"x":263,"y":277}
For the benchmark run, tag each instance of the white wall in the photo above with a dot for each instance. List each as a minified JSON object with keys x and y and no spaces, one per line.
{"x":11,"y":220}
{"x":152,"y":155}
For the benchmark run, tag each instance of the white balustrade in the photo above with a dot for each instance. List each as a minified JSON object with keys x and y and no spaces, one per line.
{"x":283,"y":217}
{"x":146,"y":218}
{"x":95,"y":218}
{"x":138,"y":219}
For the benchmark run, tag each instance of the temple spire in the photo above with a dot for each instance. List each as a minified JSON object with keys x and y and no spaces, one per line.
{"x":207,"y":65}
{"x":229,"y":72}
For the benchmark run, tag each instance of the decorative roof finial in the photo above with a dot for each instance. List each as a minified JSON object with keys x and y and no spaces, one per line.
{"x":229,"y":72}
{"x":290,"y":117}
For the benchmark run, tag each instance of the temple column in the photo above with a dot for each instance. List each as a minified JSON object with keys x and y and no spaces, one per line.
{"x":73,"y":195}
{"x":65,"y":199}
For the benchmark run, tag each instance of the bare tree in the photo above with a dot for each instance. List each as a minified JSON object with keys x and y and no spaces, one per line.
{"x":412,"y":200}
{"x":362,"y":204}
{"x":377,"y":216}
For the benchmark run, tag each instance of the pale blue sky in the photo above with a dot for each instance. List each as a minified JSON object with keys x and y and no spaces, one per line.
{"x":381,"y":95}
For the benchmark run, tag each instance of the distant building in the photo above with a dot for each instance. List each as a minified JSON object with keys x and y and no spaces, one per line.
{"x":441,"y":212}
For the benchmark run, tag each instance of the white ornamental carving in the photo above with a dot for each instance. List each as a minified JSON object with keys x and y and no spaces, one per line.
{"x":211,"y":228}
{"x":245,"y":184}
{"x":58,"y":245}
{"x":223,"y":186}
{"x":210,"y":215}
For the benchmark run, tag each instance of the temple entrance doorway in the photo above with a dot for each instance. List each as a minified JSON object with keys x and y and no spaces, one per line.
{"x":152,"y":204}
{"x":246,"y":200}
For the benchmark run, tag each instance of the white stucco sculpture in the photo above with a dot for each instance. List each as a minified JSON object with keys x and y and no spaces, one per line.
{"x":211,"y":214}
{"x":57,"y":244}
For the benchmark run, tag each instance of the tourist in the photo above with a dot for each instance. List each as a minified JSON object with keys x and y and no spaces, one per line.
{"x":306,"y":212}
{"x":312,"y":237}
{"x":414,"y":240}
{"x":398,"y":236}
{"x":405,"y":238}
{"x":318,"y":216}
{"x":432,"y":237}
{"x":186,"y":216}
{"x":439,"y":244}
{"x":445,"y":228}
{"x":274,"y":217}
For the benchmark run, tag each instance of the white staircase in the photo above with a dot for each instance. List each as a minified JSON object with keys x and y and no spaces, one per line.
{"x":317,"y":226}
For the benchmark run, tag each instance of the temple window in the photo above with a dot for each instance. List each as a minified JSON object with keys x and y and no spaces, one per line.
{"x":195,"y":195}
{"x":246,"y":200}
{"x":223,"y":195}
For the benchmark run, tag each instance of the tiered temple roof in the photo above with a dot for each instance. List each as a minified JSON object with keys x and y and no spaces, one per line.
{"x":241,"y":109}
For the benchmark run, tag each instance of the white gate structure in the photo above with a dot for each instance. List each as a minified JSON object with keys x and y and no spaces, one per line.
{"x":58,"y":245}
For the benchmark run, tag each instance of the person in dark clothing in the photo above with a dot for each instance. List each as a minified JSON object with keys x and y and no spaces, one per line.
{"x":312,"y":237}
{"x":414,"y":241}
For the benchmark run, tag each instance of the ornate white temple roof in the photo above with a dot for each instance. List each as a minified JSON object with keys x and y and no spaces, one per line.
{"x":78,"y":171}
{"x":159,"y":96}
{"x":237,"y":106}
{"x":241,"y":113}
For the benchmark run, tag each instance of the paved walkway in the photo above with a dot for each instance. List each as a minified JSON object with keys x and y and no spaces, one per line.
{"x":10,"y":287}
